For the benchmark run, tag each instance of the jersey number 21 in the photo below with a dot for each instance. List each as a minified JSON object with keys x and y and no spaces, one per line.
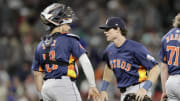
{"x":52,"y":58}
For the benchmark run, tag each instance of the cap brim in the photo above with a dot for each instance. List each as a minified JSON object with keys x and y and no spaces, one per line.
{"x":104,"y":27}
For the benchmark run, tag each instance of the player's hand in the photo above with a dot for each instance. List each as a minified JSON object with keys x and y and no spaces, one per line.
{"x":163,"y":96}
{"x":103,"y":96}
{"x":94,"y":93}
{"x":40,"y":96}
{"x":140,"y":94}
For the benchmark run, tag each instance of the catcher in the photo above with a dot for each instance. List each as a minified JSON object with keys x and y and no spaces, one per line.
{"x":131,"y":63}
{"x":55,"y":59}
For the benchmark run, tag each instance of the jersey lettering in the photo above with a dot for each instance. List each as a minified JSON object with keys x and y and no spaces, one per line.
{"x":173,"y":37}
{"x":53,"y":44}
{"x":51,"y":57}
{"x":117,"y":63}
{"x":173,"y":50}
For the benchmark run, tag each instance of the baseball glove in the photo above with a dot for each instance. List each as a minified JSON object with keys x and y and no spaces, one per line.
{"x":165,"y":99}
{"x":132,"y":97}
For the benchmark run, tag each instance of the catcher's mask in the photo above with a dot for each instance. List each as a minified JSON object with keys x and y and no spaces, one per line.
{"x":57,"y":14}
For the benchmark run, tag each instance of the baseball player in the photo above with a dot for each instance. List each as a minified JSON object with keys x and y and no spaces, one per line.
{"x":170,"y":67}
{"x":55,"y":58}
{"x":131,"y":63}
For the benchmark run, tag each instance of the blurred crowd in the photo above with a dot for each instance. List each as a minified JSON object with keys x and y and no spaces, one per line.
{"x":21,"y":30}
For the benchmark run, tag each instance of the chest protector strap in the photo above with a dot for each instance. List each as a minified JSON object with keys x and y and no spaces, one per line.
{"x":48,"y":40}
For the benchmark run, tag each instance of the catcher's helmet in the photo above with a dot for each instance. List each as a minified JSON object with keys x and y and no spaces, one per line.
{"x":57,"y":14}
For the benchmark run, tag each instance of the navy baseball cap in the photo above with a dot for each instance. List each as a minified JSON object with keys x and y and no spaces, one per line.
{"x":113,"y":22}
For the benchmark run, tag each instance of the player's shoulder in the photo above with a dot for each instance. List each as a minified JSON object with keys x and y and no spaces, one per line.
{"x":129,"y":44}
{"x":72,"y":36}
{"x":135,"y":44}
{"x":174,"y":31}
{"x":171,"y":31}
{"x":40,"y":44}
{"x":110,"y":45}
{"x":38,"y":47}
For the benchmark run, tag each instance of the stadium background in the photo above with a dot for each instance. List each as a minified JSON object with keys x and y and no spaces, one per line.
{"x":21,"y":29}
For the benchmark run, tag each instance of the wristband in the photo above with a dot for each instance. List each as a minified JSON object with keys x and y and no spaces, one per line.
{"x":104,"y":85}
{"x":147,"y":85}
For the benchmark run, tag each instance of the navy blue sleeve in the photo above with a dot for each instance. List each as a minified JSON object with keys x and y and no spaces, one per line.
{"x":36,"y":61}
{"x":144,"y":57}
{"x":162,"y":53}
{"x":106,"y":59}
{"x":77,"y":48}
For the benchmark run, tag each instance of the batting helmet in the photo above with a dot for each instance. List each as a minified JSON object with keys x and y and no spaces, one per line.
{"x":57,"y":14}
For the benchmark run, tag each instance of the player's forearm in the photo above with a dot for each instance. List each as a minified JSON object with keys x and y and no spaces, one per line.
{"x":164,"y":75}
{"x":108,"y":74}
{"x":88,"y":69}
{"x":38,"y":76}
{"x":152,"y":77}
{"x":154,"y":73}
{"x":107,"y":77}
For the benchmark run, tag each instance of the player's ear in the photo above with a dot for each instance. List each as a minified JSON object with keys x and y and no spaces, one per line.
{"x":118,"y":30}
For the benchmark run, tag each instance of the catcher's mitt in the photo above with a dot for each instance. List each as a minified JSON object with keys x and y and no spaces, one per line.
{"x":165,"y":99}
{"x":132,"y":97}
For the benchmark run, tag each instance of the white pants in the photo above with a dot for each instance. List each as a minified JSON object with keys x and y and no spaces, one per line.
{"x":134,"y":89}
{"x":173,"y":88}
{"x":60,"y":90}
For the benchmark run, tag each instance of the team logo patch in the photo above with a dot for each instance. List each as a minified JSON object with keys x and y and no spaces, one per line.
{"x":149,"y":57}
